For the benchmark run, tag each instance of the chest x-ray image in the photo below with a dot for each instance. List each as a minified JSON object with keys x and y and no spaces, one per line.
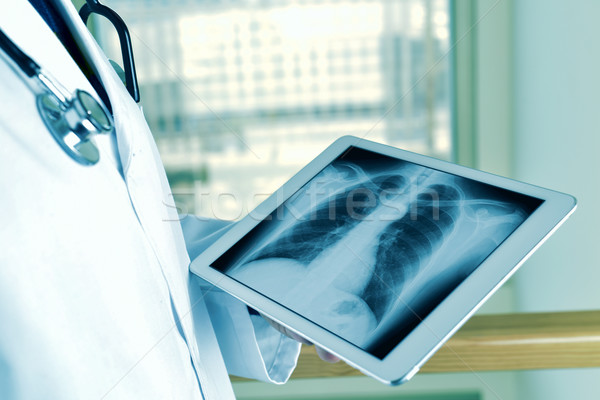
{"x":372,"y":244}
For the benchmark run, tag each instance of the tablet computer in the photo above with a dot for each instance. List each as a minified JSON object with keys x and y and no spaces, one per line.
{"x":379,"y":255}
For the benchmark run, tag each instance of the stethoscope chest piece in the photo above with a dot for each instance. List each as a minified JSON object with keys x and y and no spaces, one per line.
{"x":74,"y":123}
{"x":72,"y":119}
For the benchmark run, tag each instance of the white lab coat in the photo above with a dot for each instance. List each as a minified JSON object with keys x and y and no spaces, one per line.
{"x":93,"y":264}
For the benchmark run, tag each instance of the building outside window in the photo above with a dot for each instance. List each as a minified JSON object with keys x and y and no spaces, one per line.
{"x":241,"y":94}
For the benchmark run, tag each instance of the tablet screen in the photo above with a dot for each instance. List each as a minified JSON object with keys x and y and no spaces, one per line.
{"x":372,"y":244}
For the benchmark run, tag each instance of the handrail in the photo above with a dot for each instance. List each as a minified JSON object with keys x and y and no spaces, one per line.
{"x":498,"y":342}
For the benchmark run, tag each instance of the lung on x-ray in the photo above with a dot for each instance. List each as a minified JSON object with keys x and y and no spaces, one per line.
{"x":372,"y":244}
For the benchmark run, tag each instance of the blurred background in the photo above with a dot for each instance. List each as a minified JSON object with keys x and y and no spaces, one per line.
{"x":240,"y":94}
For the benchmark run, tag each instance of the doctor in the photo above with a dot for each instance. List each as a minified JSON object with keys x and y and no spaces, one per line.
{"x":96,"y":301}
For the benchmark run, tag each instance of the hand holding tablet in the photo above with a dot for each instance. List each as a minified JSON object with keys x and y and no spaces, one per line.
{"x":378,"y":255}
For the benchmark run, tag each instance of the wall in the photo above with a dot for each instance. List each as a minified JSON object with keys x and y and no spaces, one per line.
{"x":556,"y":143}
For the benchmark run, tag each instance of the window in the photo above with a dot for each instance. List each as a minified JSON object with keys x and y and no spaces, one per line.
{"x":241,"y":94}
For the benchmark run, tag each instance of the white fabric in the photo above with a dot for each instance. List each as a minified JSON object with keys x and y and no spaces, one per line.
{"x":93,"y":265}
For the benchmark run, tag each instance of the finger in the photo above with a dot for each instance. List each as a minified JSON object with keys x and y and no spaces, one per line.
{"x":326,"y":356}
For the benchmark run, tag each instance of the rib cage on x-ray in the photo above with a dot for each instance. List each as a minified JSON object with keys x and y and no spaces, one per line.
{"x":377,"y":242}
{"x":318,"y":228}
{"x":406,"y":244}
{"x":402,"y":245}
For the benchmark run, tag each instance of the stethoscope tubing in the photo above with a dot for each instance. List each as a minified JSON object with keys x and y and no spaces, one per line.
{"x":23,"y":61}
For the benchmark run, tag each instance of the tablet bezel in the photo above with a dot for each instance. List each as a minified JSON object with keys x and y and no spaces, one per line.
{"x":420,"y":344}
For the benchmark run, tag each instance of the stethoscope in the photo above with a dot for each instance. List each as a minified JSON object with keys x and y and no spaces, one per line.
{"x":73,"y":119}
